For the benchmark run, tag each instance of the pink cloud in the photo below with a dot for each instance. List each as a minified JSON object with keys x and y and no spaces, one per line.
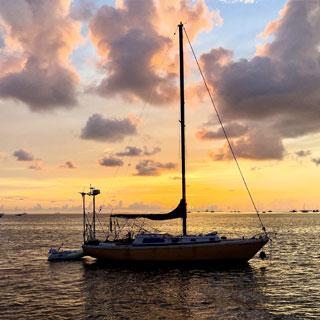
{"x":39,"y":36}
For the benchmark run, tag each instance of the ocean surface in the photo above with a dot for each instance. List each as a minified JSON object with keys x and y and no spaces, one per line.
{"x":285,"y":286}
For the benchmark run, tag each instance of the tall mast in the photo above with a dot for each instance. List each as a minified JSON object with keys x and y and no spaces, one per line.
{"x":182,"y":124}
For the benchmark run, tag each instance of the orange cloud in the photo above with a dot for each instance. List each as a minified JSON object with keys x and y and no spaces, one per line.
{"x":194,"y":14}
{"x":271,"y":28}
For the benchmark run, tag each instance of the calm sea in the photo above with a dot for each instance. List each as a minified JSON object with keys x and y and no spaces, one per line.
{"x":287,"y":286}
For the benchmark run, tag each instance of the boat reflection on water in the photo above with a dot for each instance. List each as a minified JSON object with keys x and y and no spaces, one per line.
{"x":173,"y":293}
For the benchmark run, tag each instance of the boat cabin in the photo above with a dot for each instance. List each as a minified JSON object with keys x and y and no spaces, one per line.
{"x":144,"y":239}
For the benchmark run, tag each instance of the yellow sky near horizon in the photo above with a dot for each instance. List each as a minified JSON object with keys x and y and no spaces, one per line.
{"x":275,"y":185}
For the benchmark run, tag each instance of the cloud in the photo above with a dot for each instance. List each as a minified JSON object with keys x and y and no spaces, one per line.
{"x":130,"y":152}
{"x":303,"y":153}
{"x":239,"y":1}
{"x":111,"y":162}
{"x":134,"y":207}
{"x":39,"y":36}
{"x":135,"y":152}
{"x":83,"y":10}
{"x":233,"y":130}
{"x":316,"y":161}
{"x":127,"y":37}
{"x":68,"y":165}
{"x":130,"y":39}
{"x":195,"y":15}
{"x":141,"y":206}
{"x":278,"y":89}
{"x":152,"y":168}
{"x":257,"y":145}
{"x":23,"y":155}
{"x":99,"y":128}
{"x":38,"y":165}
{"x":152,"y":152}
{"x":2,"y":43}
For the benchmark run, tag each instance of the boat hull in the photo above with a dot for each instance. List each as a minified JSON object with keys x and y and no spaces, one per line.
{"x":224,"y":251}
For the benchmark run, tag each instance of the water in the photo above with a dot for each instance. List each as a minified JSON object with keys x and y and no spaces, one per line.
{"x":287,"y":287}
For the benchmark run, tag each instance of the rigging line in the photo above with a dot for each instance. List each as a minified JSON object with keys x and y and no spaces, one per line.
{"x":225,"y":134}
{"x":98,"y":218}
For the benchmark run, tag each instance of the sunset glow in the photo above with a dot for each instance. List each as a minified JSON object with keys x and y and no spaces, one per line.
{"x":89,"y":95}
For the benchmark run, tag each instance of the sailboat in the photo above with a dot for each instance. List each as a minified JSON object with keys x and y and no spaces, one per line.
{"x":157,"y":247}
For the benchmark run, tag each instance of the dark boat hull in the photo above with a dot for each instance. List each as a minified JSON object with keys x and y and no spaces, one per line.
{"x":238,"y":250}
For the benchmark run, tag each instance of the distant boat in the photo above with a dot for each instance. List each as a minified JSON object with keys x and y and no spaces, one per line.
{"x":1,"y":215}
{"x":305,"y":211}
{"x":293,"y":211}
{"x":157,"y":247}
{"x":21,"y":214}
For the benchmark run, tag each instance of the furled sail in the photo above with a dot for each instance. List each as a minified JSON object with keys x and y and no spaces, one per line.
{"x":179,"y":212}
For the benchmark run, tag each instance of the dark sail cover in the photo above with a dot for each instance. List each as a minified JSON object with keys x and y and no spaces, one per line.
{"x":179,"y":212}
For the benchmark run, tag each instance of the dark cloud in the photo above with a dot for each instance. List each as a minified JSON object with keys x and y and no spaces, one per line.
{"x":152,"y":168}
{"x":128,"y":39}
{"x":303,"y":153}
{"x":23,"y":155}
{"x":101,"y":129}
{"x":111,"y":162}
{"x":255,"y":168}
{"x":2,"y":32}
{"x":279,"y":87}
{"x":41,"y":89}
{"x":68,"y":165}
{"x":130,"y":152}
{"x":257,"y":145}
{"x":316,"y":161}
{"x":233,"y":130}
{"x":135,"y":152}
{"x":45,"y":35}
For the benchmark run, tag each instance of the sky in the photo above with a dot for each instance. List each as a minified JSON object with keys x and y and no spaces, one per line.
{"x":89,"y":95}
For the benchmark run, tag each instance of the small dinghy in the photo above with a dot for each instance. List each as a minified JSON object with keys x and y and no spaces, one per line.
{"x":68,"y":255}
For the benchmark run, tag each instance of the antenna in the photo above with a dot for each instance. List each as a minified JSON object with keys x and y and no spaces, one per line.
{"x":83,"y":195}
{"x":93,"y":192}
